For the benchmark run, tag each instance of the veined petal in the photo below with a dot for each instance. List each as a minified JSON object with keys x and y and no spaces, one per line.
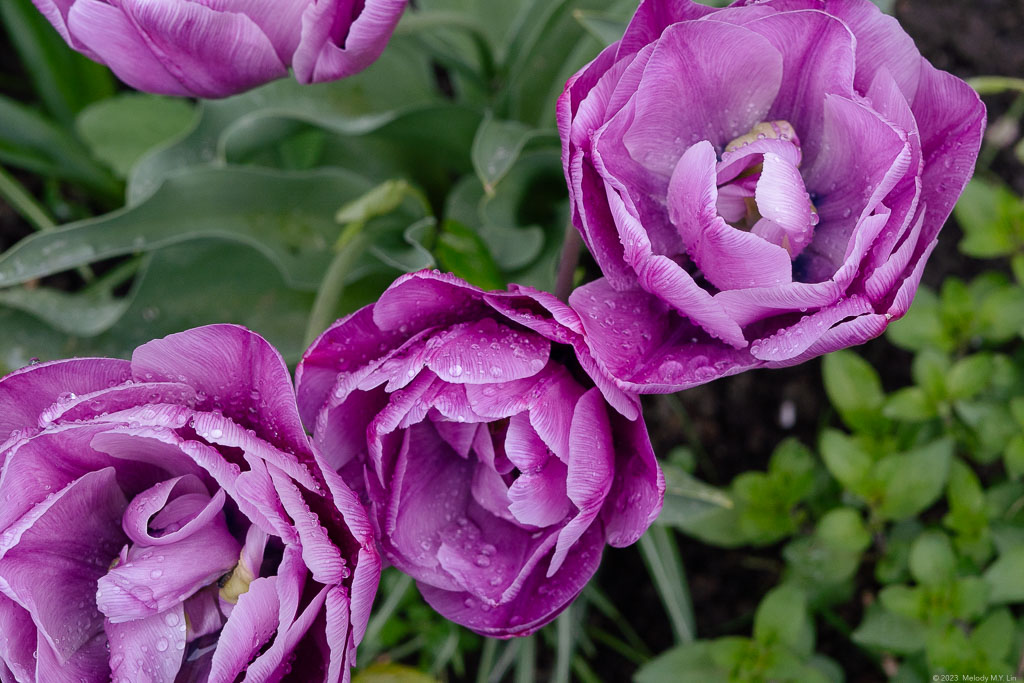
{"x":336,"y":42}
{"x":148,"y":649}
{"x":67,"y":541}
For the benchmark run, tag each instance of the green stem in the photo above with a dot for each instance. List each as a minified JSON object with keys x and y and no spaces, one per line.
{"x":526,"y":669}
{"x":563,"y":656}
{"x":483,"y":671}
{"x":662,"y":559}
{"x":567,"y":265}
{"x":992,"y":85}
{"x":24,"y":203}
{"x":350,"y":247}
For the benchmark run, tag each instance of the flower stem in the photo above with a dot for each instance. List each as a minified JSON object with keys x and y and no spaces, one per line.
{"x":567,"y":265}
{"x":349,"y":248}
{"x":24,"y":203}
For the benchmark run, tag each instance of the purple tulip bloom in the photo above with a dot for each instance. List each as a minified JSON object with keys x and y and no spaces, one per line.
{"x":215,"y":48}
{"x":165,"y":519}
{"x":494,"y":469}
{"x":759,"y":184}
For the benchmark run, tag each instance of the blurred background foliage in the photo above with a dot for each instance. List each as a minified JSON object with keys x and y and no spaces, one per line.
{"x":877,"y":534}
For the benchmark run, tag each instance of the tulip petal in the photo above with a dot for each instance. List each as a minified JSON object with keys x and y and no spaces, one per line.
{"x":26,"y":393}
{"x":336,"y":42}
{"x":148,"y":649}
{"x":237,"y":370}
{"x":106,"y":32}
{"x":680,"y":99}
{"x":67,"y":541}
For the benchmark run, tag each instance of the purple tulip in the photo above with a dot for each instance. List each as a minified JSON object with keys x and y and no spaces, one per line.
{"x":215,"y":48}
{"x":165,"y":519}
{"x":759,"y":184}
{"x":495,"y":471}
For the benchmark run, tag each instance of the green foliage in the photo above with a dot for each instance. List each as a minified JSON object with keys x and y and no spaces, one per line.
{"x":781,"y":649}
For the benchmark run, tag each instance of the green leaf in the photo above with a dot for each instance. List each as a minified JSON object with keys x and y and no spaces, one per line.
{"x":1005,"y":577}
{"x":844,"y":528}
{"x":31,"y":141}
{"x":496,"y":147}
{"x":685,"y":664}
{"x":121,"y":129}
{"x":969,"y":376}
{"x":994,"y":635}
{"x":922,"y":327}
{"x":65,"y":80}
{"x":1013,"y":457}
{"x":462,"y":252}
{"x":1017,"y":265}
{"x":883,"y":630}
{"x":855,"y":389}
{"x":845,"y":460}
{"x":910,"y":404}
{"x":392,"y":673}
{"x":932,"y":561}
{"x":913,"y":481}
{"x":288,"y":216}
{"x":782,"y":618}
{"x":992,"y":218}
{"x":81,"y":314}
{"x":792,"y":470}
{"x":698,"y":508}
{"x":1000,"y":316}
{"x":930,"y":369}
{"x":379,"y":201}
{"x":605,"y":27}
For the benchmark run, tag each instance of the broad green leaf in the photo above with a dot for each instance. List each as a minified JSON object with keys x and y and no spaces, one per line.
{"x":883,"y":630}
{"x":1017,"y":264}
{"x":289,"y":217}
{"x":844,"y":528}
{"x":910,"y":404}
{"x":845,"y":460}
{"x":121,"y":129}
{"x":1005,"y":577}
{"x":1013,"y":457}
{"x":912,"y":481}
{"x":26,"y":338}
{"x":688,"y":499}
{"x":1000,"y":315}
{"x":80,"y":314}
{"x":605,"y":27}
{"x":400,"y":81}
{"x":461,"y":251}
{"x":932,"y":560}
{"x":855,"y":389}
{"x":392,"y":673}
{"x":65,"y":80}
{"x":792,"y":470}
{"x":992,"y":218}
{"x":782,"y":618}
{"x":930,"y":369}
{"x":969,"y":376}
{"x":496,"y":147}
{"x":922,"y":326}
{"x":31,"y":141}
{"x":994,"y":636}
{"x":685,"y":664}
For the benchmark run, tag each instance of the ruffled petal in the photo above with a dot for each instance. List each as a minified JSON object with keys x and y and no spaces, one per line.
{"x":681,"y":100}
{"x":148,"y":649}
{"x":336,"y":42}
{"x":68,"y":540}
{"x":239,"y":373}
